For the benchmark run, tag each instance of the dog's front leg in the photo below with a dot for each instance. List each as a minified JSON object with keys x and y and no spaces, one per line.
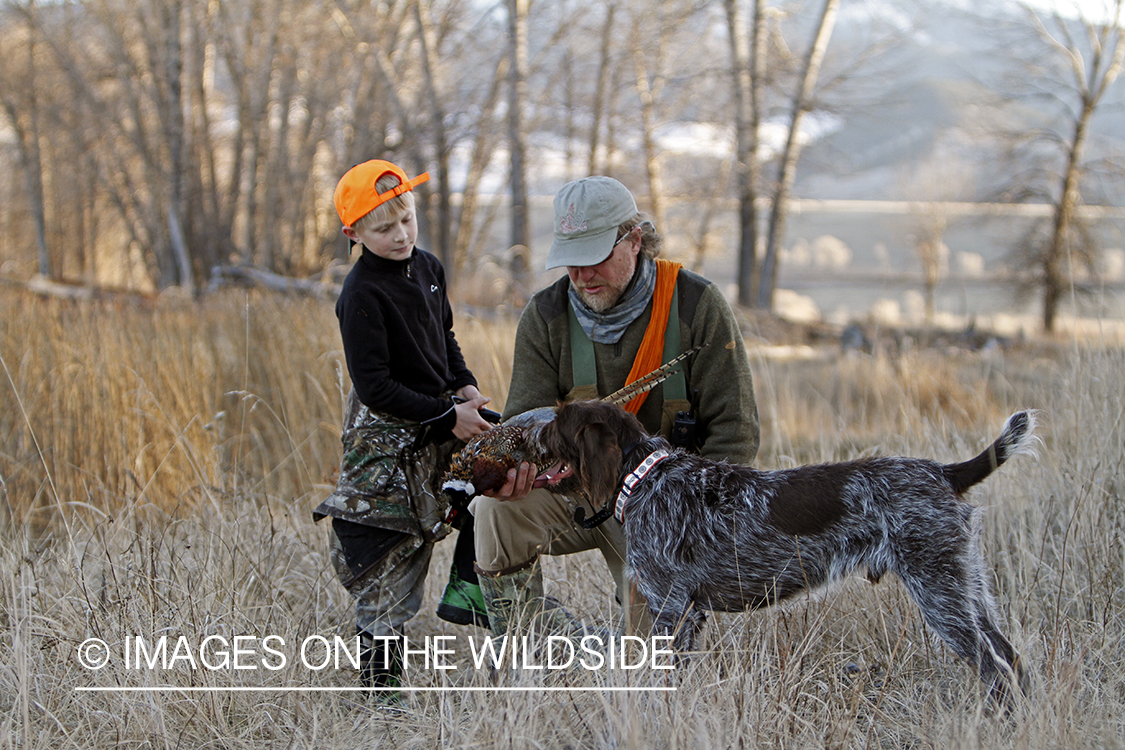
{"x":669,"y":596}
{"x":682,"y":623}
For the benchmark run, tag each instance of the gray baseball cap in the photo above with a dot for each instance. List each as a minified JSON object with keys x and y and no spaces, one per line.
{"x":587,"y":215}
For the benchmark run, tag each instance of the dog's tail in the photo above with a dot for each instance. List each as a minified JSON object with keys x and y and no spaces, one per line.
{"x":1016,"y":438}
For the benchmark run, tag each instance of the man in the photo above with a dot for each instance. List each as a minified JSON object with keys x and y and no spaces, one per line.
{"x":580,"y":338}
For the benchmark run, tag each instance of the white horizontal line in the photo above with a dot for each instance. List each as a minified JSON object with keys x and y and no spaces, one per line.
{"x":241,"y":689}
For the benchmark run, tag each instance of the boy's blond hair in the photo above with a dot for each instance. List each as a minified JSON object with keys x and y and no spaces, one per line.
{"x":389,"y":209}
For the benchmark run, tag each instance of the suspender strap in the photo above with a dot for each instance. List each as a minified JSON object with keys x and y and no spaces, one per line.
{"x":582,"y":363}
{"x":675,"y":387}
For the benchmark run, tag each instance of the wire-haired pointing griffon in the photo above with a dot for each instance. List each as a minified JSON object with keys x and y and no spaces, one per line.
{"x":707,"y":535}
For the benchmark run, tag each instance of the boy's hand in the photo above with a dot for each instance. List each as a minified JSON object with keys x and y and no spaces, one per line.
{"x":521,"y":481}
{"x":467,"y":392}
{"x":469,"y":421}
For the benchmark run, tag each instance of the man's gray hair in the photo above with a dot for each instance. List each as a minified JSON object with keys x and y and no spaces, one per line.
{"x":652,"y":242}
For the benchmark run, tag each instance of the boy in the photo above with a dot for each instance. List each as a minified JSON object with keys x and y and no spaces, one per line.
{"x":411,"y":396}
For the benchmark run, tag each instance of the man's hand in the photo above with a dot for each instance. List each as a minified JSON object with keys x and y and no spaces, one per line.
{"x":521,"y":480}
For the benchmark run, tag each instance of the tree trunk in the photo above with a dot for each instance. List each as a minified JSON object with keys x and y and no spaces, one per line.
{"x":604,"y":69}
{"x":1054,"y":275}
{"x":482,"y":155}
{"x":174,"y":69}
{"x":747,"y":71}
{"x":213,"y":235}
{"x":278,"y":180}
{"x":517,"y":95}
{"x":646,"y":93}
{"x":791,"y":153}
{"x":611,"y":120}
{"x":758,"y":49}
{"x":31,"y":169}
{"x":442,"y":238}
{"x":22,"y":108}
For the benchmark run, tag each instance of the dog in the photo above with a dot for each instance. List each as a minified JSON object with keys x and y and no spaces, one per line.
{"x":709,"y":535}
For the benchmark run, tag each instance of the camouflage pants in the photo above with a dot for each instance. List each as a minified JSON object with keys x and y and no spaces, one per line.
{"x":388,"y":593}
{"x":389,"y":496}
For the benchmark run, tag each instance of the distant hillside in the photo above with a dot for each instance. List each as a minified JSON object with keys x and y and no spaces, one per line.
{"x":943,"y":98}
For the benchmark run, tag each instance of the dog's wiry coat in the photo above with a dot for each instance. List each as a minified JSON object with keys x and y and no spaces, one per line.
{"x":705,"y":535}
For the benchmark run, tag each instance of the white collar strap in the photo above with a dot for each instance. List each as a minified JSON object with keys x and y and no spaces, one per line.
{"x":634,"y":479}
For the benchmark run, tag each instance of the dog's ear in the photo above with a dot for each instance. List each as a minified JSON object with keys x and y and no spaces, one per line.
{"x":600,"y":463}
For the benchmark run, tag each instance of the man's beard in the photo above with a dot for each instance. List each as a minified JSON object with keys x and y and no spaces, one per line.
{"x":599,"y":303}
{"x":610,"y":296}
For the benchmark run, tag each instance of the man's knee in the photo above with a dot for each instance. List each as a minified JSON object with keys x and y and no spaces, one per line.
{"x":511,"y":533}
{"x":483,"y":509}
{"x":502,"y":536}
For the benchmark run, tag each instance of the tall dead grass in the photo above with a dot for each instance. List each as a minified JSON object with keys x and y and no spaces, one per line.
{"x":159,"y":465}
{"x":110,"y":405}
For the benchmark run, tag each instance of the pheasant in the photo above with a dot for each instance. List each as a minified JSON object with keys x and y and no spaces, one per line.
{"x":483,"y":464}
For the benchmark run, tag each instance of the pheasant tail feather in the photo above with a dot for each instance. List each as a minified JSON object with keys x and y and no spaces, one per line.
{"x":648,"y":382}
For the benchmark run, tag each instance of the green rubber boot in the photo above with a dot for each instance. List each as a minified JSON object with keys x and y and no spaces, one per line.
{"x":462,"y":603}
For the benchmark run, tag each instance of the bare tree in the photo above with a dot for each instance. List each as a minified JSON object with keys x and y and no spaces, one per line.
{"x":132,"y":85}
{"x":1078,"y":70}
{"x":206,"y":131}
{"x":20,"y":101}
{"x":443,"y":237}
{"x":747,"y":79}
{"x":931,"y":185}
{"x":787,"y":169}
{"x":484,"y":144}
{"x":603,"y":79}
{"x":648,"y":51}
{"x":384,"y":77}
{"x":203,"y":133}
{"x":666,"y":67}
{"x":172,"y":98}
{"x":517,"y":145}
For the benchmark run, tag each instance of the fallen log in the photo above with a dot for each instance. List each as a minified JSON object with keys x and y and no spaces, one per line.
{"x":258,"y":278}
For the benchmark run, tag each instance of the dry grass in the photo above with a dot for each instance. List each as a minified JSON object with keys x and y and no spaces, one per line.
{"x":158,"y":467}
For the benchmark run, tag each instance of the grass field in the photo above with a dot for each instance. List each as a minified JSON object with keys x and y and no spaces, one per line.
{"x":158,"y":464}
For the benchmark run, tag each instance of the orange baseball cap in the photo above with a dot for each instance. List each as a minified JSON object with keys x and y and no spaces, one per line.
{"x":356,"y":195}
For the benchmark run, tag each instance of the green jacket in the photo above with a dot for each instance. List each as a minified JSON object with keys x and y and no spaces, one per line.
{"x":542,"y":375}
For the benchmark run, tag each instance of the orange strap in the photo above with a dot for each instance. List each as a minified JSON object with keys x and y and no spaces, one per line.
{"x":652,"y":345}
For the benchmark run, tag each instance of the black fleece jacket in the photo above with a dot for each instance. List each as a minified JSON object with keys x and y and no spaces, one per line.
{"x":397,"y":328}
